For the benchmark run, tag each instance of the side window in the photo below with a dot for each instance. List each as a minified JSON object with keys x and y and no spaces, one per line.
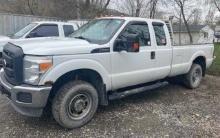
{"x":45,"y":31}
{"x":138,"y":28}
{"x":160,"y":34}
{"x":68,"y":29}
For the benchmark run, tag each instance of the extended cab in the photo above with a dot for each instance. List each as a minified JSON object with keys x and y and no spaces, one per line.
{"x":41,"y":29}
{"x":100,"y":60}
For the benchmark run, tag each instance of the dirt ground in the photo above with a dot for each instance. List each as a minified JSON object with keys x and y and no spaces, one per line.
{"x":170,"y":111}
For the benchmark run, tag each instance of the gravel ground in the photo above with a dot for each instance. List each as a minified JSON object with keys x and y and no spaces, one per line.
{"x":171,"y":111}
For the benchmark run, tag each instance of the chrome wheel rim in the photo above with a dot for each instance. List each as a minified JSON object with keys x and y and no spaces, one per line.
{"x":79,"y":106}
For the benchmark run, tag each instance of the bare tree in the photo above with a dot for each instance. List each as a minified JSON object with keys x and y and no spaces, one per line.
{"x":93,"y":7}
{"x":141,"y":8}
{"x":71,"y":9}
{"x":138,"y":9}
{"x":30,"y":6}
{"x":210,"y":17}
{"x":101,"y":9}
{"x":133,"y":8}
{"x":153,"y":8}
{"x":181,"y":4}
{"x":195,"y":16}
{"x":213,"y":5}
{"x":34,"y":6}
{"x":127,"y":6}
{"x":216,"y":3}
{"x":12,"y":6}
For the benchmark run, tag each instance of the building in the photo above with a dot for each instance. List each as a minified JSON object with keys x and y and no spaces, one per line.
{"x":200,"y":34}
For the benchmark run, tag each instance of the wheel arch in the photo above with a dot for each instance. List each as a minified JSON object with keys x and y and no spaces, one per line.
{"x":201,"y":60}
{"x":87,"y":75}
{"x":89,"y":71}
{"x":76,"y":64}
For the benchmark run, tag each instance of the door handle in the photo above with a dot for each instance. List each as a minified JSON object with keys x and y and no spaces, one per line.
{"x":153,"y":55}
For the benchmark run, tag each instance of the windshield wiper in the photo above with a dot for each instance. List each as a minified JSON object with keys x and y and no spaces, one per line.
{"x":83,"y":38}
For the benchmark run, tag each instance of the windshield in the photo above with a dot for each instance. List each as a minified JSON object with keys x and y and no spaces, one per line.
{"x":98,"y":31}
{"x":23,"y":31}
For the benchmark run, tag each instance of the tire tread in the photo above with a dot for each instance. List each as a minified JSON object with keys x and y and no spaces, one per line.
{"x":58,"y":99}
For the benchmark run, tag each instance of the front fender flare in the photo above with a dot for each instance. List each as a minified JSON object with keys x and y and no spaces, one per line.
{"x":59,"y":70}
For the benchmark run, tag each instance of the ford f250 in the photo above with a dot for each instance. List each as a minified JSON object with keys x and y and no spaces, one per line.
{"x":99,"y":61}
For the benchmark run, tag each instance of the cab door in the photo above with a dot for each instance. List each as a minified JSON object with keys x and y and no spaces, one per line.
{"x":129,"y":69}
{"x":164,"y":50}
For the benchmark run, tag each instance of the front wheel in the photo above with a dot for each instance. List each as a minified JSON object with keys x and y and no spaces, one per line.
{"x":193,"y":78}
{"x":75,"y":104}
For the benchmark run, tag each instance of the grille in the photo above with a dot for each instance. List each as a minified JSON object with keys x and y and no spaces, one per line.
{"x":13,"y":63}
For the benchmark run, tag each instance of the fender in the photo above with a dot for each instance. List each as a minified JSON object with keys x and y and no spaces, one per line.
{"x":196,"y":55}
{"x":75,"y":64}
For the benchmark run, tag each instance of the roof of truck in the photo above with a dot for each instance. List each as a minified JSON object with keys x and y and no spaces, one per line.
{"x":132,"y":18}
{"x":54,"y":22}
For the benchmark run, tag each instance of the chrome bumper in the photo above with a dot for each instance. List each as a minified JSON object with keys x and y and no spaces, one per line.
{"x":27,"y":100}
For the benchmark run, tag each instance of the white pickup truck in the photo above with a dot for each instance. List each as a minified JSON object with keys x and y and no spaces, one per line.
{"x":101,"y":60}
{"x":41,"y":29}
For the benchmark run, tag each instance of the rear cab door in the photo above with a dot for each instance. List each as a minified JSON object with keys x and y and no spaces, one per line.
{"x":163,"y":51}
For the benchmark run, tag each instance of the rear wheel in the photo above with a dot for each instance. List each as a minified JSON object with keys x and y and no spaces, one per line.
{"x":193,"y":78}
{"x":75,"y":104}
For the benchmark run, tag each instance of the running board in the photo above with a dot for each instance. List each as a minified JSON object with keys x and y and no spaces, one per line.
{"x":118,"y":95}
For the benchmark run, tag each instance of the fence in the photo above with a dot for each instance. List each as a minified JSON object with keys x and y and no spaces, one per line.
{"x":11,"y":23}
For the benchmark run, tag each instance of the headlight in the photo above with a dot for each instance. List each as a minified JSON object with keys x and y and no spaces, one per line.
{"x":35,"y":67}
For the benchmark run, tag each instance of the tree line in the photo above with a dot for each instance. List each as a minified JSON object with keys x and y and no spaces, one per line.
{"x":65,"y":9}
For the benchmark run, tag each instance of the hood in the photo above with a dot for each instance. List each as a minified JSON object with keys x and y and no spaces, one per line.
{"x":55,"y":46}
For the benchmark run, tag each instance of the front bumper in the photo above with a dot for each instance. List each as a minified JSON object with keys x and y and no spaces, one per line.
{"x":27,"y":100}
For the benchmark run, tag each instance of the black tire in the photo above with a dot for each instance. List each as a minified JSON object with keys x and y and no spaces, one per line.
{"x":73,"y":99}
{"x":194,"y":77}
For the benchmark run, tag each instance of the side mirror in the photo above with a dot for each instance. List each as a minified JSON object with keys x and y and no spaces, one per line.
{"x":32,"y":35}
{"x":129,"y":44}
{"x":163,"y":41}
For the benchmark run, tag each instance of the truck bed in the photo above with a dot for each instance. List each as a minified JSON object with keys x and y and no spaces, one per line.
{"x":184,"y":54}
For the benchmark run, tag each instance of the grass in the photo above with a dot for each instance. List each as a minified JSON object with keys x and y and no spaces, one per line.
{"x":215,"y":68}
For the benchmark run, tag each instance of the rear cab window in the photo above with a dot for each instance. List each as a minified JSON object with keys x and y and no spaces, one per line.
{"x":160,"y":33}
{"x":68,"y":30}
